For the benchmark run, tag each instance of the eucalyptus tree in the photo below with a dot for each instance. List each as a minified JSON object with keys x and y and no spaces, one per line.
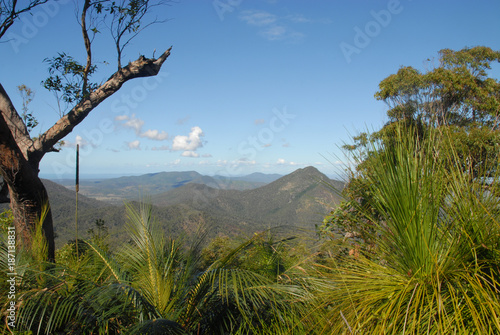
{"x":458,"y":91}
{"x":71,"y":81}
{"x":455,"y":94}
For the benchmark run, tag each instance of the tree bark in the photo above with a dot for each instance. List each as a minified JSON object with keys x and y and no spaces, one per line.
{"x":142,"y":67}
{"x":4,"y":191}
{"x":26,"y":190}
{"x":20,"y":155}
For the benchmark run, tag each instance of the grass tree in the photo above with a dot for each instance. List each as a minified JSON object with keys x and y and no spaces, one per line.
{"x":435,"y":266}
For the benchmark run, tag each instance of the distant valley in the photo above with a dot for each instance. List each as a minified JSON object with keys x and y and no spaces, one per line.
{"x":115,"y":190}
{"x":184,"y":201}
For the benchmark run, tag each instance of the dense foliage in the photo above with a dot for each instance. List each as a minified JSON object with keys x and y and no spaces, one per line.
{"x":431,"y":265}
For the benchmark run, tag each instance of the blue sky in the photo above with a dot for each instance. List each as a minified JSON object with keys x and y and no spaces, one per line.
{"x":250,"y":86}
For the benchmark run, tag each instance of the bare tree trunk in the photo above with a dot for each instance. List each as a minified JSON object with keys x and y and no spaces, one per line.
{"x":27,"y":204}
{"x":27,"y":192}
{"x":4,"y":191}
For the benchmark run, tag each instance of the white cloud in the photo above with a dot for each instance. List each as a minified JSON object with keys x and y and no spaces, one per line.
{"x":273,"y":27}
{"x":281,"y":161}
{"x":176,"y":162}
{"x":235,"y":163}
{"x":274,"y":33}
{"x":190,"y":154}
{"x":258,"y":18}
{"x":131,"y":122}
{"x":83,"y":143}
{"x":80,"y":141}
{"x":295,"y":36}
{"x":188,"y":143}
{"x":206,"y":155}
{"x":162,"y":148}
{"x":183,"y":120}
{"x":134,"y":145}
{"x":244,"y":161}
{"x":155,"y":135}
{"x":221,"y":162}
{"x":121,"y":118}
{"x":136,"y":124}
{"x":298,"y":18}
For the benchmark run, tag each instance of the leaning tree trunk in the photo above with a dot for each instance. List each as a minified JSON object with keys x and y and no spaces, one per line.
{"x":26,"y":190}
{"x":28,"y":200}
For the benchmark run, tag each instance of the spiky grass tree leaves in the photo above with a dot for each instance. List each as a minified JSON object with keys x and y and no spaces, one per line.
{"x":157,"y":327}
{"x":154,"y":285}
{"x":434,"y":271}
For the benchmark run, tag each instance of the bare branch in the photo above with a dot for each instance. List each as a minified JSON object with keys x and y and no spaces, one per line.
{"x":127,"y":19}
{"x":14,"y":121}
{"x":87,"y":42}
{"x":9,"y":13}
{"x":142,"y":67}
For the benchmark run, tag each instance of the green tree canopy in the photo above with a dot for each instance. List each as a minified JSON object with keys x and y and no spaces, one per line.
{"x":458,"y":97}
{"x":456,"y":92}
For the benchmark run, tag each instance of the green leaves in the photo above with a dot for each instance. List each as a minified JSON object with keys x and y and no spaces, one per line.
{"x":422,"y":208}
{"x":435,"y":269}
{"x":477,"y":60}
{"x":458,"y":92}
{"x":27,"y":94}
{"x":154,"y":284}
{"x":67,"y":77}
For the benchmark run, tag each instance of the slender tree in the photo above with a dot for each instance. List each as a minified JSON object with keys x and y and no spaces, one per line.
{"x":20,"y":154}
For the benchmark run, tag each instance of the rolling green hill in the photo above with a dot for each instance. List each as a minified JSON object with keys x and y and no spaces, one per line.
{"x":178,"y":219}
{"x":300,"y":199}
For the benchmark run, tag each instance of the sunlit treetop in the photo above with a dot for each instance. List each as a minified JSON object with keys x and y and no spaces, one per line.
{"x":457,"y":92}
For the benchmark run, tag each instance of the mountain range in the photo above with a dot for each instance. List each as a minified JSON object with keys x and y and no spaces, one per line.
{"x":185,"y":201}
{"x":115,"y":190}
